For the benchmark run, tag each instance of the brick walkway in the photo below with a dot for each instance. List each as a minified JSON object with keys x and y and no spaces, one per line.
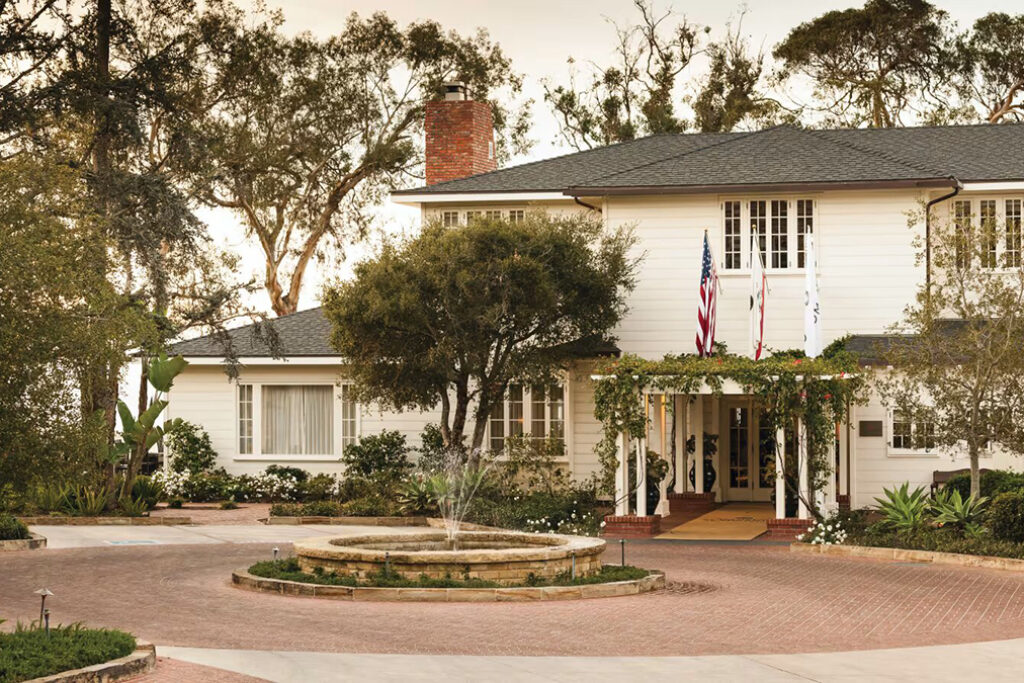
{"x":210,"y":513}
{"x":721,"y":599}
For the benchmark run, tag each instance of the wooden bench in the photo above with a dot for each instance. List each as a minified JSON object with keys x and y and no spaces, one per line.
{"x":940,"y":477}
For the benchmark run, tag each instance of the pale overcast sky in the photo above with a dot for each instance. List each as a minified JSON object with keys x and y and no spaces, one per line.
{"x":539,"y":35}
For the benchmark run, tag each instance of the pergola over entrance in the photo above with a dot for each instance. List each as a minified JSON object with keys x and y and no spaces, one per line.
{"x":634,"y":398}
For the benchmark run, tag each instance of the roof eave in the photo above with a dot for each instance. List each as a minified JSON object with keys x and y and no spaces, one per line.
{"x":922,"y":183}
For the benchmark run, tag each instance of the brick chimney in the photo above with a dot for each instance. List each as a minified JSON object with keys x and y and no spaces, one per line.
{"x":460,"y":136}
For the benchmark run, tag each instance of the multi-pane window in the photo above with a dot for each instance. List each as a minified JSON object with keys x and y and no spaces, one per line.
{"x":911,"y":434}
{"x":759,"y":224}
{"x":780,"y":234}
{"x":516,"y":216}
{"x":804,"y":227}
{"x":767,"y":225}
{"x":988,"y":222}
{"x":1011,"y":256}
{"x":349,"y":416}
{"x":733,"y":236}
{"x":537,"y":411}
{"x":297,"y":419}
{"x":492,"y":215}
{"x":987,"y":231}
{"x":473,"y":215}
{"x":245,"y":422}
{"x":449,"y":219}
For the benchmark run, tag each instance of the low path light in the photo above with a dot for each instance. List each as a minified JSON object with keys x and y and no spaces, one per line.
{"x":43,"y":593}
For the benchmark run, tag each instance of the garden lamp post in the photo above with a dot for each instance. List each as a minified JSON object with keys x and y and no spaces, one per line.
{"x":43,"y":593}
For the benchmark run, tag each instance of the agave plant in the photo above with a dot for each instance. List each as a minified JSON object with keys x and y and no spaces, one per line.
{"x":949,"y":509}
{"x":902,"y":509}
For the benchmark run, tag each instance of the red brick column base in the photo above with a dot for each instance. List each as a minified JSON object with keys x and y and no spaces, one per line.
{"x":844,"y":502}
{"x":691,"y":502}
{"x":787,"y":529}
{"x":631,"y":526}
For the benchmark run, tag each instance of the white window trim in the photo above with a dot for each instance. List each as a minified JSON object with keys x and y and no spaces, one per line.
{"x":564,"y":382}
{"x":463,"y":214}
{"x":791,"y":232}
{"x":975,"y":213}
{"x":257,"y":454}
{"x":893,"y":452}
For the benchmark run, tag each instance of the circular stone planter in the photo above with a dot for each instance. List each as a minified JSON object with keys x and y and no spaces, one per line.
{"x":504,"y":557}
{"x":653,"y":581}
{"x":33,"y":543}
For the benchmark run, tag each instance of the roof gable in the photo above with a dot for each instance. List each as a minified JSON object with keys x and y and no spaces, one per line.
{"x":306,"y":333}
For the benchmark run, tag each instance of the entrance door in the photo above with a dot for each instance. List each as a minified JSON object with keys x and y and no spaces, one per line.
{"x":749,"y":452}
{"x":738,"y":472}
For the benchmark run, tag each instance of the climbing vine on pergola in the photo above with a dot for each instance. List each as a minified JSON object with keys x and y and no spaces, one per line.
{"x":786,"y":385}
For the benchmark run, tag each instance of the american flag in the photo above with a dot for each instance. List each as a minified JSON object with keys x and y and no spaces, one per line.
{"x":708,"y":304}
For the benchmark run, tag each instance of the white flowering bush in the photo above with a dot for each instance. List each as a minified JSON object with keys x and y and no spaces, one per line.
{"x":175,"y":484}
{"x":825,"y":532}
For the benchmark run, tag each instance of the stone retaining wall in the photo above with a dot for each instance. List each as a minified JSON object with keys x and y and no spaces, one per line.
{"x":905,"y":555}
{"x":48,"y":520}
{"x":141,"y":661}
{"x":654,"y":581}
{"x":34,"y":542}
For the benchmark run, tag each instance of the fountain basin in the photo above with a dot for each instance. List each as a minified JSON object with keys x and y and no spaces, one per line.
{"x":504,"y":557}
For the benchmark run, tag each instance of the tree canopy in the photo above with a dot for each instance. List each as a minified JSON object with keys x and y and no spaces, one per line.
{"x":451,"y":317}
{"x":991,"y":66}
{"x":305,"y":134}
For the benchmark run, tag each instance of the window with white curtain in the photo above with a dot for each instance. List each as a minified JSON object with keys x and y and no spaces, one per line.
{"x":245,"y":419}
{"x":297,"y":419}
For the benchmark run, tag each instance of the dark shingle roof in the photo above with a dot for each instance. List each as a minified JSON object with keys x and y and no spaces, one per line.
{"x":306,"y":333}
{"x":775,"y":156}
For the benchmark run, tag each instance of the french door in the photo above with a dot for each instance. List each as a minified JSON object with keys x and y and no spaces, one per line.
{"x":748,"y":453}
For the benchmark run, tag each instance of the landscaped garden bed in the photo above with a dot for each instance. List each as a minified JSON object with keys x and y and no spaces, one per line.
{"x":949,"y":527}
{"x":14,"y":535}
{"x":287,"y":577}
{"x":72,"y":653}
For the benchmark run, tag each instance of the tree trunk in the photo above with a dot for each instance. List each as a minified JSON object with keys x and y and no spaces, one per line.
{"x":975,"y":471}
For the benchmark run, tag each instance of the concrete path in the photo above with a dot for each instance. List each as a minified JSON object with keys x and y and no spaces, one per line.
{"x":101,"y":536}
{"x":988,"y":661}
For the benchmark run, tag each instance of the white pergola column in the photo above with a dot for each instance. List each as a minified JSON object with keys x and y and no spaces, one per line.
{"x":622,"y":476}
{"x":780,"y":474}
{"x":805,"y":486}
{"x":697,"y":427}
{"x":661,"y":447}
{"x":679,"y":415}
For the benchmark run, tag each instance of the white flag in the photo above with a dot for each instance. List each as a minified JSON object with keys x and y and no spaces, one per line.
{"x":758,"y":287}
{"x":812,"y":305}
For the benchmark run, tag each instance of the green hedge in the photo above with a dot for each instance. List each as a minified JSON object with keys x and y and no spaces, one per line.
{"x":11,"y":529}
{"x":1006,"y":517}
{"x":30,"y":653}
{"x":992,"y":483}
{"x":939,"y":540}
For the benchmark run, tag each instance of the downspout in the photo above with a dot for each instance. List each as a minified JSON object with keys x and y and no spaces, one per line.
{"x":585,"y":205}
{"x":957,"y":186}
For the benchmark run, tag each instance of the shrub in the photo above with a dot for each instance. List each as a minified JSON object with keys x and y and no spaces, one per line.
{"x":950,"y":510}
{"x":1006,"y":517}
{"x":147,"y":490}
{"x":903,"y":510}
{"x":351,"y":488}
{"x":82,"y":501}
{"x":132,"y":507}
{"x":939,"y":540}
{"x":432,"y":450}
{"x":204,"y":487}
{"x":378,"y":456}
{"x":533,"y":465}
{"x":374,"y":505}
{"x":826,"y":532}
{"x":11,"y":529}
{"x":190,"y":447}
{"x":48,"y":497}
{"x":32,"y":653}
{"x":319,"y":508}
{"x":992,"y":483}
{"x":568,"y":512}
{"x":287,"y":472}
{"x":175,"y":503}
{"x":416,"y":496}
{"x":318,"y":487}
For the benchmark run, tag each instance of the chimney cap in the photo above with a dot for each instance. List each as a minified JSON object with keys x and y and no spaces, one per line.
{"x":456,"y":90}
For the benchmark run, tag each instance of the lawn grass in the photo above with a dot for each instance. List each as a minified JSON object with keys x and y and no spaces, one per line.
{"x":288,"y":570}
{"x":31,"y":653}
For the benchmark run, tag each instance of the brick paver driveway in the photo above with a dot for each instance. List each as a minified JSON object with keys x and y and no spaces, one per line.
{"x":721,"y":599}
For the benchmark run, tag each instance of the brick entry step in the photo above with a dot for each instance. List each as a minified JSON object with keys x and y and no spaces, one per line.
{"x":787,"y":529}
{"x":691,"y":502}
{"x":631,"y":526}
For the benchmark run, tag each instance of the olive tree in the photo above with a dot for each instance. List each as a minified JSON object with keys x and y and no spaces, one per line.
{"x":451,"y":316}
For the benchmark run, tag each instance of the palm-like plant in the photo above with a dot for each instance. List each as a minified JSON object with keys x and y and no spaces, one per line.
{"x":949,"y":508}
{"x":902,"y":509}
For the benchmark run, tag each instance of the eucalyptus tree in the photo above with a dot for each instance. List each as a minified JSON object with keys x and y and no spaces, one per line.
{"x":991,"y":66}
{"x":873,"y":64}
{"x":307,"y":134}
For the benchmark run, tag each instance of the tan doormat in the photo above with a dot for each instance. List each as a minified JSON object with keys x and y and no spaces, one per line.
{"x":731,"y":522}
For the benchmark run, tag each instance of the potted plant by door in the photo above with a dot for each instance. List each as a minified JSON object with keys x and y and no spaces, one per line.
{"x":710,"y":449}
{"x":657,"y":470}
